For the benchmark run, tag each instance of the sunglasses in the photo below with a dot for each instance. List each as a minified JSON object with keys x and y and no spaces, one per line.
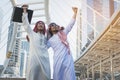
{"x":53,"y":25}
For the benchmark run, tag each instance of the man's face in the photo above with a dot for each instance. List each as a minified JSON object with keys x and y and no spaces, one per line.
{"x":40,"y":26}
{"x":54,"y":28}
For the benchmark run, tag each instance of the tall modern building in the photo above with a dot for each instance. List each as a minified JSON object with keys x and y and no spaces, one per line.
{"x":24,"y":57}
{"x":10,"y":33}
{"x":19,"y":54}
{"x":18,"y":59}
{"x":23,"y":63}
{"x":97,"y":40}
{"x":14,"y":47}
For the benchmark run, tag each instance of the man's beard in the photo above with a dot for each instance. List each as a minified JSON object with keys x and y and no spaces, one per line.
{"x":41,"y":29}
{"x":55,"y":31}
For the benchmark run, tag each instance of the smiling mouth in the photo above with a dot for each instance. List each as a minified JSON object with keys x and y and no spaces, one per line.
{"x":40,"y":28}
{"x":55,"y":31}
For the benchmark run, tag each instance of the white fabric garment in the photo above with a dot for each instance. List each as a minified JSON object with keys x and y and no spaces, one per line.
{"x":63,"y":61}
{"x":38,"y":67}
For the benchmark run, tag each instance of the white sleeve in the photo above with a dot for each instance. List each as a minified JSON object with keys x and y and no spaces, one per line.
{"x":26,"y":24}
{"x":69,"y":27}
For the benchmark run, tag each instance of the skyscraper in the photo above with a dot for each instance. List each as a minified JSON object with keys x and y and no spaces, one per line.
{"x":24,"y":54}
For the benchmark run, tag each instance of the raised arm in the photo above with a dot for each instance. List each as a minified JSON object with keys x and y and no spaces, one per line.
{"x":72,"y":22}
{"x":26,"y":22}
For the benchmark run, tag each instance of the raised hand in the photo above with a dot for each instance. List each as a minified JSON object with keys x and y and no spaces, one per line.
{"x":25,"y":7}
{"x":75,"y":9}
{"x":8,"y":55}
